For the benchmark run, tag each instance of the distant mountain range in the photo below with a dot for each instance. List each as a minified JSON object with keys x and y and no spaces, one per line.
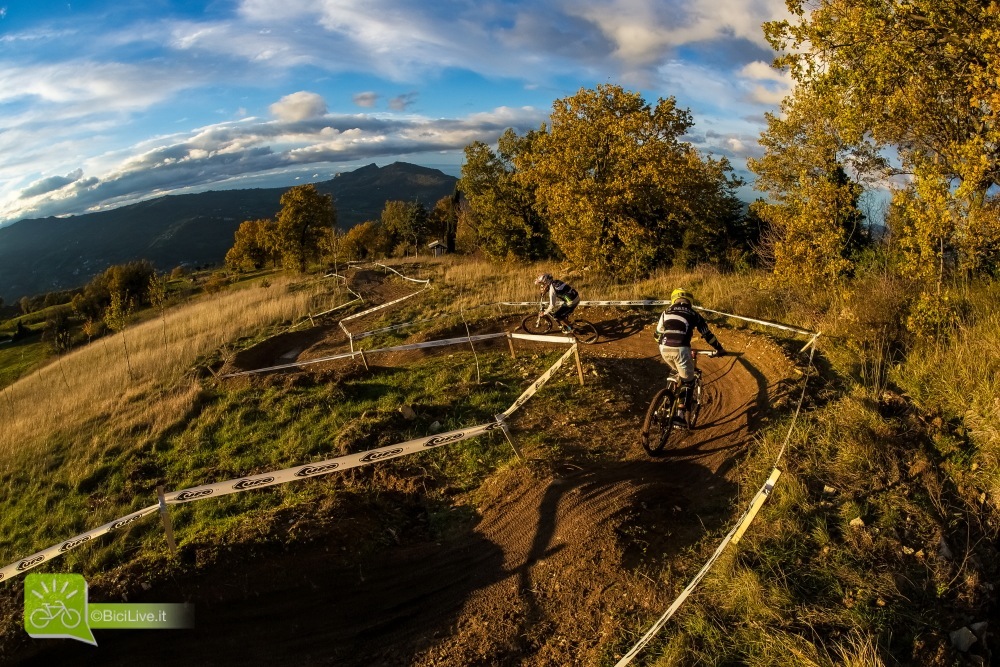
{"x":49,"y":254}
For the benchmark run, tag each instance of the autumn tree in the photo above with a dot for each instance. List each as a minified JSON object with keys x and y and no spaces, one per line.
{"x":812,"y":214}
{"x":255,"y":244}
{"x":918,"y":80}
{"x":305,"y":217}
{"x":361,"y":241}
{"x":612,"y":173}
{"x":403,"y":223}
{"x":503,"y":215}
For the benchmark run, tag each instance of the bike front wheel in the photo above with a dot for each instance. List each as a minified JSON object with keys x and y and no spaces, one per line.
{"x":537,"y":323}
{"x":659,"y":423}
{"x":585,"y":332}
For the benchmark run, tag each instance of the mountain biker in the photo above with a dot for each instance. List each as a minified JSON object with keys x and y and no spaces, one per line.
{"x":673,"y":333}
{"x":563,"y":299}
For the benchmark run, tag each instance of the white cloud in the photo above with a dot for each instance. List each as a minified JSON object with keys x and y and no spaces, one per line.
{"x":302,"y":105}
{"x":302,"y":134}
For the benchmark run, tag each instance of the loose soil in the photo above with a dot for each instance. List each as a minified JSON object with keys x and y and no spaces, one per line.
{"x":556,"y":562}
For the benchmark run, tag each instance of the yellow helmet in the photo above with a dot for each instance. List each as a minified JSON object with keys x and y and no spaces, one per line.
{"x":681,"y":293}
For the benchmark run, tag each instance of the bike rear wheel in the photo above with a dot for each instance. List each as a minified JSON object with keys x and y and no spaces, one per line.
{"x":692,"y":414}
{"x":585,"y":332}
{"x":659,"y":421}
{"x":537,"y":324}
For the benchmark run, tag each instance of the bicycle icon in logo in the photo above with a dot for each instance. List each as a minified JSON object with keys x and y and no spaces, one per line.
{"x":43,"y":615}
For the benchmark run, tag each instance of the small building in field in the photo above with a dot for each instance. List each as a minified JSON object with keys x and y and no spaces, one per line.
{"x":437,"y":248}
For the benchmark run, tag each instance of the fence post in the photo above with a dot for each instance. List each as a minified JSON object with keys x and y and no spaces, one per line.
{"x":579,"y":366}
{"x":510,"y":344}
{"x":167,"y":526}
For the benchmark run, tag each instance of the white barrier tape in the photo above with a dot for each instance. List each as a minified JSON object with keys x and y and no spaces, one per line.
{"x":266,"y":479}
{"x":34,"y":560}
{"x":343,"y":305}
{"x":302,"y":471}
{"x":543,"y":339}
{"x":437,"y":343}
{"x":380,"y":307}
{"x":733,"y":536}
{"x":804,"y":332}
{"x":293,"y":364}
{"x":400,"y":274}
{"x":396,"y":348}
{"x":373,"y":332}
{"x":641,"y":302}
{"x":535,"y":386}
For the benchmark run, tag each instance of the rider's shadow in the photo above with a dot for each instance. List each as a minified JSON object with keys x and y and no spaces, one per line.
{"x":648,"y":510}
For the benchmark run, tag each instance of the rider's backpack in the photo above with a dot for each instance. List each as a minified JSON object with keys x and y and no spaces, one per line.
{"x":564,"y":291}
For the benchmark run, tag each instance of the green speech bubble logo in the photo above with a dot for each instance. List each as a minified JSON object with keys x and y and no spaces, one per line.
{"x":55,"y":605}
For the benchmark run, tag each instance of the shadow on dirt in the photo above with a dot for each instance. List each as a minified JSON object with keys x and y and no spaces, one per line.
{"x":307,"y":607}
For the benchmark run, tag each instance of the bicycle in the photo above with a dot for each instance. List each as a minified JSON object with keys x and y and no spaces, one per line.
{"x":660,"y":423}
{"x":543,"y":323}
{"x":50,"y":612}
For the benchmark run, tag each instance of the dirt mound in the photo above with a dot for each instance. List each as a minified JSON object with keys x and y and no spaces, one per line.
{"x":554,"y":570}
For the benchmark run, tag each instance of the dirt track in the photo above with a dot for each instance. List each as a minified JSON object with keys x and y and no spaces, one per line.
{"x":554,"y":570}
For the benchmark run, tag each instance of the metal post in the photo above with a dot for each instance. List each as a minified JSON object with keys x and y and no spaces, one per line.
{"x":506,"y":432}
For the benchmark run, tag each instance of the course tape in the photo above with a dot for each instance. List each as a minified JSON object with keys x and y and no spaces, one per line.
{"x":343,"y":305}
{"x":543,"y":339}
{"x":536,"y":385}
{"x":380,"y":307}
{"x":396,"y":348}
{"x":804,"y":332}
{"x":34,"y":560}
{"x":733,"y":536}
{"x":266,"y":479}
{"x":642,"y":302}
{"x":318,"y":468}
{"x":400,"y":274}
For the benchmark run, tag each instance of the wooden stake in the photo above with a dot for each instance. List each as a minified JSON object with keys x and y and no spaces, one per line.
{"x":579,"y":366}
{"x":167,"y":526}
{"x":510,"y":344}
{"x":363,"y":360}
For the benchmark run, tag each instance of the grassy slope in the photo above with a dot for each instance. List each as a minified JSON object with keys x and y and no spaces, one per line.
{"x":805,"y":582}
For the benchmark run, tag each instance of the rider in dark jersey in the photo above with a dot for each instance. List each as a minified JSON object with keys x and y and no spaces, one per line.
{"x":673,"y":332}
{"x":563,"y":299}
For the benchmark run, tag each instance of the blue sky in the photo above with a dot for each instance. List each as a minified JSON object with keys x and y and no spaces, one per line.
{"x":107,"y":102}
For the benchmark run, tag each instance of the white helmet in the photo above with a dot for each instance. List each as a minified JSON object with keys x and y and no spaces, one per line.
{"x":544,"y":279}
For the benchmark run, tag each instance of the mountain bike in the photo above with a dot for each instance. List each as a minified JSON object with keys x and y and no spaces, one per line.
{"x":543,"y":323}
{"x":660,"y":422}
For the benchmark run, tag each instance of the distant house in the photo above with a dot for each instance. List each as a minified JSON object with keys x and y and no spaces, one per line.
{"x":437,"y":248}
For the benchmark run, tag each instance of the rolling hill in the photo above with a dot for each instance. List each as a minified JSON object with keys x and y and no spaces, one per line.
{"x":49,"y":254}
